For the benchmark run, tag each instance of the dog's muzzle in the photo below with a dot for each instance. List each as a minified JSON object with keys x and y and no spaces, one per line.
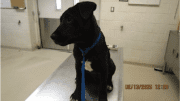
{"x":53,"y":37}
{"x":63,"y":42}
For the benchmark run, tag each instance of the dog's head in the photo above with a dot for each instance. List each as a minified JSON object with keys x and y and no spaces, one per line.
{"x":72,"y":23}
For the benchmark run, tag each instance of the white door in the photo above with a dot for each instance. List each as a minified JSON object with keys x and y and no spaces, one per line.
{"x":49,"y":20}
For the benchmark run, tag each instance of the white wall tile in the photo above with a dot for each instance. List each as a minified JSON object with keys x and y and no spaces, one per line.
{"x":160,"y":37}
{"x":111,"y":33}
{"x":133,"y":17}
{"x":126,"y":52}
{"x":148,"y":27}
{"x":24,"y":33}
{"x":154,"y":46}
{"x":107,"y":16}
{"x":14,"y":35}
{"x":164,"y":8}
{"x":16,"y":38}
{"x":165,"y":1}
{"x":116,"y":24}
{"x":160,"y":47}
{"x":121,"y":34}
{"x":14,"y":27}
{"x":173,"y":19}
{"x":174,"y":2}
{"x":144,"y":18}
{"x":160,"y":28}
{"x":120,"y":16}
{"x":106,"y":6}
{"x":150,"y":57}
{"x":110,"y":40}
{"x":127,"y":26}
{"x":137,"y":9}
{"x":148,"y":46}
{"x":138,"y":45}
{"x":157,"y":18}
{"x":137,"y":27}
{"x":145,"y":57}
{"x":121,"y":6}
{"x":169,"y":1}
{"x":131,"y":59}
{"x":15,"y":19}
{"x":135,"y":53}
{"x":172,"y":8}
{"x":120,"y":43}
{"x":13,"y":12}
{"x":129,"y":36}
{"x":124,"y":36}
{"x":133,"y":36}
{"x":147,"y":37}
{"x":171,"y":27}
{"x":161,"y":18}
{"x":108,"y":33}
{"x":104,"y":24}
{"x":161,"y":9}
{"x":145,"y":28}
{"x":137,"y":36}
{"x":110,"y":24}
{"x":109,"y":1}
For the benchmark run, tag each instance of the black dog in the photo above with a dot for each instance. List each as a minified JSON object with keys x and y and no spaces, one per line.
{"x":78,"y":25}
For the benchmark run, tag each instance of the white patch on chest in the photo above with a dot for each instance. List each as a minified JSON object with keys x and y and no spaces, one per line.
{"x":88,"y":66}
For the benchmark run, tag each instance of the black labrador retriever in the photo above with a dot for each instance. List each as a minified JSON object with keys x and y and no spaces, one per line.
{"x":78,"y":25}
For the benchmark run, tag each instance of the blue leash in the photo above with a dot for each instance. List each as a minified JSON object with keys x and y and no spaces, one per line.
{"x":83,"y":69}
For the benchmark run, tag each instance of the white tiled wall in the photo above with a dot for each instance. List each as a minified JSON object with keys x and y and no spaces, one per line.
{"x":145,"y":29}
{"x":12,"y":34}
{"x":21,"y":36}
{"x":144,"y":35}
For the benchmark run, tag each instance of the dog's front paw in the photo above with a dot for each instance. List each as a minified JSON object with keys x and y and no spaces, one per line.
{"x":109,"y":88}
{"x":75,"y":97}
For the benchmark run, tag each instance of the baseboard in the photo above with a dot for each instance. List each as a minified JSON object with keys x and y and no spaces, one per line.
{"x":10,"y":47}
{"x":142,"y":64}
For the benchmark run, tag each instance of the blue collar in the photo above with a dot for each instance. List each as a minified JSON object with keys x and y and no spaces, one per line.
{"x":83,"y":67}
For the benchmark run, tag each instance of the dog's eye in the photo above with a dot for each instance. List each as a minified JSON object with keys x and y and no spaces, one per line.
{"x":69,"y":20}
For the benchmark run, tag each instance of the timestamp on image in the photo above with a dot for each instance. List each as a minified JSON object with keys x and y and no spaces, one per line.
{"x":146,"y":86}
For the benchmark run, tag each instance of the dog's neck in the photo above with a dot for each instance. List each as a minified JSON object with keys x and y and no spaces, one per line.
{"x":92,"y":34}
{"x":88,"y":40}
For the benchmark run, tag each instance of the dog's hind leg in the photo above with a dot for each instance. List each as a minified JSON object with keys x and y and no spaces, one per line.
{"x":111,"y":71}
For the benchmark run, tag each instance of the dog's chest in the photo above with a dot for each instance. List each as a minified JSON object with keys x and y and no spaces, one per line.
{"x":88,"y":65}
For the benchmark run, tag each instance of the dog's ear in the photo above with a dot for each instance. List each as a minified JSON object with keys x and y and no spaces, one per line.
{"x":86,"y":9}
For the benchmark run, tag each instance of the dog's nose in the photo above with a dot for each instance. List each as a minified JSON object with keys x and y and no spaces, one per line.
{"x":53,"y":36}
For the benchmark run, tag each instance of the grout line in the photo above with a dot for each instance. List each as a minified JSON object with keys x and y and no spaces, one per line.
{"x":17,"y":48}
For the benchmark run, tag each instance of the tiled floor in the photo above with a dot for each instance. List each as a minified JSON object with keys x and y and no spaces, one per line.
{"x":137,"y":75}
{"x":24,"y":71}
